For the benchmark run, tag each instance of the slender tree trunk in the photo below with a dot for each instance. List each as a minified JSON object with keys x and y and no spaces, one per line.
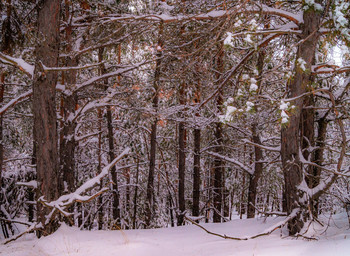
{"x":254,"y":179}
{"x":290,"y":133}
{"x":111,"y":154}
{"x":136,"y":190}
{"x":313,"y":179}
{"x":182,"y":160}
{"x":196,"y":172}
{"x":31,"y":191}
{"x":242,"y":208}
{"x":2,"y":89}
{"x":152,"y":160}
{"x":218,"y":163}
{"x":99,"y":168}
{"x":68,"y":105}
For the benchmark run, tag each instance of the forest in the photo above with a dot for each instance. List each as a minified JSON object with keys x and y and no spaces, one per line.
{"x":143,"y":114}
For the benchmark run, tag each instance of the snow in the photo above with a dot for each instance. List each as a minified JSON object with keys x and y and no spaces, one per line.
{"x":228,"y":39}
{"x":32,"y":183}
{"x":20,"y":63}
{"x":189,"y":240}
{"x":312,"y":4}
{"x":302,"y":64}
{"x":250,"y":105}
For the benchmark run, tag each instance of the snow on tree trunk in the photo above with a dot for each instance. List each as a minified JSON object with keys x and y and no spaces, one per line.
{"x":290,"y":133}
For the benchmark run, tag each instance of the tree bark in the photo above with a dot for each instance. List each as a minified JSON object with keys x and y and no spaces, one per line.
{"x":68,"y":105}
{"x":152,"y":159}
{"x":99,"y":168}
{"x":196,"y":172}
{"x":182,"y":161}
{"x":44,"y":108}
{"x":254,"y":179}
{"x":314,"y":175}
{"x":290,"y":133}
{"x":2,"y":89}
{"x":218,"y":163}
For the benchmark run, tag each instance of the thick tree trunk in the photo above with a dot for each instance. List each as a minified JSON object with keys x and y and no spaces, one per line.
{"x":44,"y":108}
{"x":152,"y":159}
{"x":290,"y":133}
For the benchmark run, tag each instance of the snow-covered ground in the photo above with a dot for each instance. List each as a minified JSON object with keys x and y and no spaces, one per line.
{"x":188,"y":240}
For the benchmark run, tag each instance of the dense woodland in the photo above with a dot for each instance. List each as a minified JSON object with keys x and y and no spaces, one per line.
{"x":141,"y":114}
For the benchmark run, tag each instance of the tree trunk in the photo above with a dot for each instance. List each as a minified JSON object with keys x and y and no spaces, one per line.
{"x":218,"y":163}
{"x":290,"y":133}
{"x":68,"y":105}
{"x":44,"y":108}
{"x":313,"y":179}
{"x":196,"y":172}
{"x":99,"y":168}
{"x":152,"y":159}
{"x":31,"y":191}
{"x":135,"y":195}
{"x":2,"y":89}
{"x":254,"y":179}
{"x":182,"y":161}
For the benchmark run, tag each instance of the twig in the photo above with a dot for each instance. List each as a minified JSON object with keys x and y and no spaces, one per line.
{"x":269,"y":213}
{"x":16,"y":221}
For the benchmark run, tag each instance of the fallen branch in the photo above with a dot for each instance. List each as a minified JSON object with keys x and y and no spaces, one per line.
{"x":265,"y":233}
{"x":32,"y":228}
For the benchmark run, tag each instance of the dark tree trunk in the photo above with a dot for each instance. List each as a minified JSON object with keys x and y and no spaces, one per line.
{"x":313,"y":179}
{"x":152,"y":159}
{"x":196,"y":172}
{"x":111,"y":154}
{"x":258,"y":167}
{"x":99,"y":168}
{"x":2,"y":89}
{"x":31,"y":191}
{"x":67,"y":135}
{"x":218,"y":163}
{"x":135,"y":195}
{"x":116,"y":207}
{"x":182,"y":161}
{"x":44,"y":108}
{"x":254,"y":179}
{"x":196,"y":159}
{"x":290,"y":133}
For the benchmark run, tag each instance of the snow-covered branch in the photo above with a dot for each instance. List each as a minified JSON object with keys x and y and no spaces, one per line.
{"x":78,"y":195}
{"x":19,"y":63}
{"x":119,"y":71}
{"x":233,"y":161}
{"x":274,"y":149}
{"x":16,"y":100}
